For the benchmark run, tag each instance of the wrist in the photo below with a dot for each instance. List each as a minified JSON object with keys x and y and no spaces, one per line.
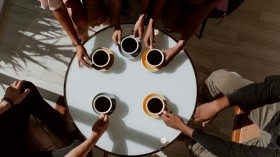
{"x":118,"y":27}
{"x":142,"y":14}
{"x":221,"y":103}
{"x":180,"y":45}
{"x":78,"y":42}
{"x":7,"y":103}
{"x":151,"y":22}
{"x":187,"y":130}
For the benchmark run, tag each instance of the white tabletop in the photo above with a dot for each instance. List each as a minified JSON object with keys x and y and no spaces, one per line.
{"x":131,"y":131}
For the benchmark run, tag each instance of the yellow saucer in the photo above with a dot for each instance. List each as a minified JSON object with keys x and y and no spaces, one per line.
{"x":146,"y":100}
{"x":146,"y":64}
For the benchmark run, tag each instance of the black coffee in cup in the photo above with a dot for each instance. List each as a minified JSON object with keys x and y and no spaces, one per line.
{"x":100,"y":58}
{"x":154,"y":57}
{"x":102,"y":104}
{"x":129,"y":45}
{"x":155,"y":105}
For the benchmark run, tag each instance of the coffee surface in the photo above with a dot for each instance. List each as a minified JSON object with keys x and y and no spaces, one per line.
{"x":154,"y":105}
{"x":154,"y":57}
{"x":129,"y":45}
{"x":102,"y":104}
{"x":100,"y":58}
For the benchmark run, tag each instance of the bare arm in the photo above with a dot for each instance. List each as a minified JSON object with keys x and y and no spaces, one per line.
{"x":149,"y":36}
{"x":4,"y":106}
{"x":64,"y":19}
{"x":139,"y":25}
{"x":97,"y":130}
{"x":115,"y":6}
{"x":13,"y":94}
{"x":190,"y":27}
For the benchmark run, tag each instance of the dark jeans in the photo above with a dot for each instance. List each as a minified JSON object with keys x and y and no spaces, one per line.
{"x":14,"y":122}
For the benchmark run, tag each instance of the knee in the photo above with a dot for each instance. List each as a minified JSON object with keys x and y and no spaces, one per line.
{"x":219,"y":76}
{"x":27,"y":84}
{"x":218,"y":80}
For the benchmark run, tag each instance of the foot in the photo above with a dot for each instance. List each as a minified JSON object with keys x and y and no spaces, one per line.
{"x":60,"y":106}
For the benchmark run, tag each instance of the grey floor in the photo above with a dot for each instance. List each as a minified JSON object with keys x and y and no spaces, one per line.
{"x":34,"y":47}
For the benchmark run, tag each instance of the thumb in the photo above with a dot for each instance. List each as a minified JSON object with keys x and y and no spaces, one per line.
{"x":206,"y":122}
{"x":26,"y":91}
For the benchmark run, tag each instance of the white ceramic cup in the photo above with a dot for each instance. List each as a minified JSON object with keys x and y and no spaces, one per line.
{"x":155,"y":57}
{"x":104,"y":103}
{"x":100,"y":58}
{"x":130,"y":46}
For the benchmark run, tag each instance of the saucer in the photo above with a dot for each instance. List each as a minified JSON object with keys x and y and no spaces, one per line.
{"x":146,"y":100}
{"x":126,"y":55}
{"x":146,"y":64}
{"x":109,"y":64}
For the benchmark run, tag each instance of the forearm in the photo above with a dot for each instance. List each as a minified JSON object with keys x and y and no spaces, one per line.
{"x":257,"y":94}
{"x":190,"y":26}
{"x":186,"y":129}
{"x":83,"y":149}
{"x":159,"y":5}
{"x":4,"y":106}
{"x":64,"y":19}
{"x":115,"y":10}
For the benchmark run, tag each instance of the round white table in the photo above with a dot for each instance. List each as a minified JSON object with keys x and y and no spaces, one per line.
{"x":131,"y":132}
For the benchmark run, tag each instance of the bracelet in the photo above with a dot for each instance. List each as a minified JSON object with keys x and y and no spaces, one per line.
{"x":9,"y":101}
{"x":79,"y":42}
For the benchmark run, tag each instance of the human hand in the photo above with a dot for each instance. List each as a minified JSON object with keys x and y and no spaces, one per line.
{"x":13,"y":92}
{"x":101,"y":124}
{"x":117,"y":35}
{"x":82,"y":55}
{"x":139,"y":27}
{"x":170,"y":54}
{"x":149,"y":36}
{"x":206,"y":112}
{"x":171,"y":120}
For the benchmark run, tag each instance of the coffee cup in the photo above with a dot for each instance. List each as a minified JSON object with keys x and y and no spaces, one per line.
{"x":130,"y":46}
{"x":102,"y":59}
{"x":154,"y":105}
{"x":155,"y":57}
{"x":104,"y":103}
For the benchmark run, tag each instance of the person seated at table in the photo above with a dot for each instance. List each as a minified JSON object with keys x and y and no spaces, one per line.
{"x":74,"y":18}
{"x":115,"y":6}
{"x":84,"y":148}
{"x":23,"y":99}
{"x":260,"y":101}
{"x":185,"y":19}
{"x":139,"y":25}
{"x":177,"y":16}
{"x":154,"y":9}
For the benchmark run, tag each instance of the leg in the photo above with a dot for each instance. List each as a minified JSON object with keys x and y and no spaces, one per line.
{"x":78,"y":15}
{"x":40,"y":109}
{"x":199,"y":151}
{"x":14,"y":123}
{"x":225,"y":82}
